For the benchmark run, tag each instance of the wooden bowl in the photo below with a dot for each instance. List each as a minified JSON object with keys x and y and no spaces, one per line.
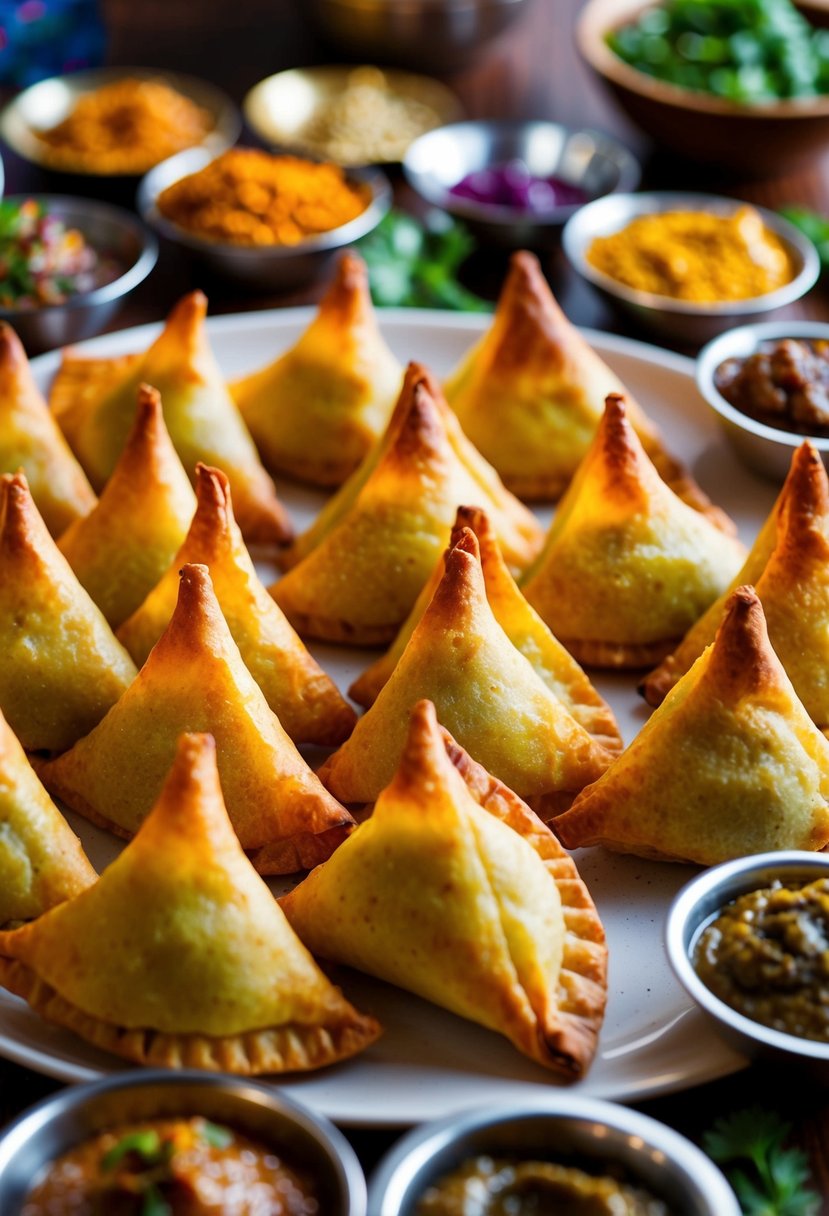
{"x":756,"y":140}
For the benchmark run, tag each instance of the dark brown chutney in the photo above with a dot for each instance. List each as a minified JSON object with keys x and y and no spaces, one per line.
{"x":784,"y":384}
{"x":767,"y":955}
{"x":490,"y":1186}
{"x":172,"y":1167}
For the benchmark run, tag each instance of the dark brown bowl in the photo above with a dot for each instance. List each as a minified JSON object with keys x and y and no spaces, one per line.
{"x":758,"y":140}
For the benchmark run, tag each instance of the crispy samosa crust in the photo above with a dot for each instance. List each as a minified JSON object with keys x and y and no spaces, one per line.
{"x":93,"y":401}
{"x":455,"y":890}
{"x":627,"y":566}
{"x":729,"y":764}
{"x":179,"y":956}
{"x":195,"y":679}
{"x":317,"y":410}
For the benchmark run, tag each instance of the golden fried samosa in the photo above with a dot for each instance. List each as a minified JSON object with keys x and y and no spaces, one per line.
{"x":316,"y":411}
{"x":485,"y":692}
{"x":454,"y":890}
{"x":94,"y":403}
{"x":41,"y":859}
{"x":362,"y":579}
{"x":804,"y":500}
{"x":62,"y":667}
{"x":307,"y":703}
{"x":195,"y":679}
{"x":31,"y":440}
{"x":627,"y":566}
{"x":730,"y":763}
{"x":522,"y":625}
{"x":531,"y":392}
{"x":179,"y":956}
{"x":120,"y":549}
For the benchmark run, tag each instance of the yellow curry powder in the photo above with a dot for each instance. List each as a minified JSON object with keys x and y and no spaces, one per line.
{"x":248,"y":197}
{"x":125,"y":127}
{"x":695,"y":255}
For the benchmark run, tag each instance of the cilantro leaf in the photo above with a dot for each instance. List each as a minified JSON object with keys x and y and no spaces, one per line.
{"x":215,"y":1136}
{"x":768,"y":1178}
{"x":154,"y":1203}
{"x":146,"y":1145}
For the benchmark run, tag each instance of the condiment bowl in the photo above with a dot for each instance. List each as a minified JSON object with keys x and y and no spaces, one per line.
{"x":595,"y":163}
{"x":109,"y":230}
{"x":752,"y":140}
{"x":683,"y":321}
{"x":590,"y":1134}
{"x":766,"y":449}
{"x":694,"y":907}
{"x":259,"y":267}
{"x":73,"y":1115}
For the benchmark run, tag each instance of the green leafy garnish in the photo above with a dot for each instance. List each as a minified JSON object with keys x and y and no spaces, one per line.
{"x":146,"y":1144}
{"x":768,"y":1178}
{"x":414,"y":265}
{"x":813,"y":226}
{"x":154,"y":1203}
{"x":215,"y":1136}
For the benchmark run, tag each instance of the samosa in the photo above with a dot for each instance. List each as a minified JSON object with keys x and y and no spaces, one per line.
{"x":120,"y":549}
{"x":179,"y":955}
{"x":307,"y":703}
{"x":94,"y":403}
{"x":41,"y":859}
{"x":730,"y":764}
{"x":62,"y":667}
{"x":31,"y":440}
{"x":315,"y":412}
{"x":627,"y":566}
{"x":376,"y":543}
{"x":454,"y":890}
{"x":485,"y":692}
{"x":195,"y":679}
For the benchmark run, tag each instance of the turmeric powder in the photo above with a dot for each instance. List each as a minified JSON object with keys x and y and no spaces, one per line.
{"x":700,"y":256}
{"x":248,"y":197}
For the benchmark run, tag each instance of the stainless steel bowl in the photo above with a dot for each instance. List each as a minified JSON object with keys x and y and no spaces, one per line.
{"x":429,"y":35}
{"x":72,"y":1115}
{"x":261,"y":267}
{"x":557,"y":1127}
{"x":111,"y":231}
{"x":682,"y":320}
{"x":763,"y":448}
{"x":47,"y":103}
{"x":596,"y":163}
{"x":691,"y":911}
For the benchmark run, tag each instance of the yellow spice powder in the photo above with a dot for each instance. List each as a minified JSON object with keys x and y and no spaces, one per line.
{"x":248,"y":197}
{"x":695,"y":255}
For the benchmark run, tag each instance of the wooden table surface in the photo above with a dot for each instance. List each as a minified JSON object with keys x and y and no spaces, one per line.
{"x":532,"y":71}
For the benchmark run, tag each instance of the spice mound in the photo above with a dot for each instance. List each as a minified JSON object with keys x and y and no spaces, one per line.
{"x":247,"y":197}
{"x":42,"y":262}
{"x":125,"y":127}
{"x":699,"y":256}
{"x":171,"y":1167}
{"x":784,"y":384}
{"x":767,"y":956}
{"x":513,"y":185}
{"x":491,"y":1187}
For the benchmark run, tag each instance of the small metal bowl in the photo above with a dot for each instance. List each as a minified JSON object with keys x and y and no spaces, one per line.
{"x":694,"y":907}
{"x":259,"y":267}
{"x":766,"y":449}
{"x":47,"y":103}
{"x":561,"y":1128}
{"x":684,"y":321}
{"x":73,"y":1115}
{"x":596,"y":163}
{"x":110,"y":231}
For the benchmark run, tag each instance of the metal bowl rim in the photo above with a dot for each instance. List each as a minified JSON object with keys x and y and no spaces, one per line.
{"x":135,"y":274}
{"x":341,"y":1155}
{"x":681,"y":915}
{"x":654,"y":201}
{"x":630,"y":172}
{"x":398,"y":1166}
{"x":716,"y":352}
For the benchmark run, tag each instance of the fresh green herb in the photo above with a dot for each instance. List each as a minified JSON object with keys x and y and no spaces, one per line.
{"x":154,"y":1203}
{"x":768,"y":1178}
{"x":215,"y":1136}
{"x":146,"y":1145}
{"x":416,"y":266}
{"x":813,"y":226}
